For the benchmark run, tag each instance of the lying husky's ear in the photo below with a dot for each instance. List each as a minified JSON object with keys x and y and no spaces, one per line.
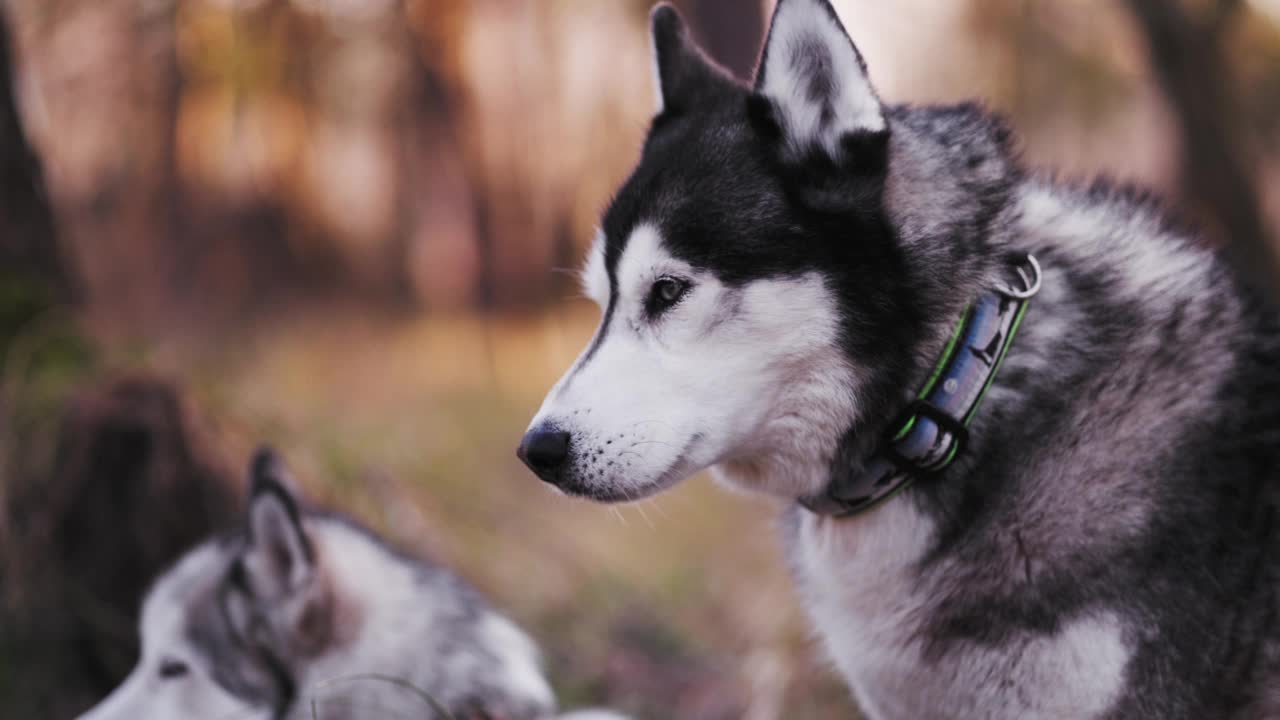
{"x":279,"y":557}
{"x":816,"y":83}
{"x":683,"y":73}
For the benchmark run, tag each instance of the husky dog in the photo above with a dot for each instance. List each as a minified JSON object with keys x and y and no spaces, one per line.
{"x":815,"y":294}
{"x":303,"y":614}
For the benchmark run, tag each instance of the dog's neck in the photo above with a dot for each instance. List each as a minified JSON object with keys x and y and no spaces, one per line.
{"x":931,"y":431}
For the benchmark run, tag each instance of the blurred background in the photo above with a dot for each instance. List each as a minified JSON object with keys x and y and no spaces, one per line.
{"x":348,"y":228}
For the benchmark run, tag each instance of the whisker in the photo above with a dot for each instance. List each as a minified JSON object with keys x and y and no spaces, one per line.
{"x":653,"y":422}
{"x":618,"y":514}
{"x":653,"y":503}
{"x":640,"y":509}
{"x":651,"y":442}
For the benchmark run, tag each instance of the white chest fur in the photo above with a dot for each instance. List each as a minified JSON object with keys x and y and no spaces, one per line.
{"x":858,"y":584}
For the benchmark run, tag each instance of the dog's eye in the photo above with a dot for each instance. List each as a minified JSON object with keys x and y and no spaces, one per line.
{"x":170,"y":668}
{"x":666,"y":292}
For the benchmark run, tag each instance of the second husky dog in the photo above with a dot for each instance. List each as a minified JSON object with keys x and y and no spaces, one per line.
{"x":1029,"y":433}
{"x":305,"y":615}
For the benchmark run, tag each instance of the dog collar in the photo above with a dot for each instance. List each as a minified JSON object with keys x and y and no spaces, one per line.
{"x":932,"y":431}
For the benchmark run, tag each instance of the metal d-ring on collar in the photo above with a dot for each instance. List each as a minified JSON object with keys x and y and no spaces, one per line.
{"x":933,"y":430}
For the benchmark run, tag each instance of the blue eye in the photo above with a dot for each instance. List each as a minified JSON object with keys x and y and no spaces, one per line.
{"x":170,"y":669}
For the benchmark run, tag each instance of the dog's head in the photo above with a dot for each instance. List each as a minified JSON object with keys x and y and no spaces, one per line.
{"x":221,"y":630}
{"x":758,"y":300}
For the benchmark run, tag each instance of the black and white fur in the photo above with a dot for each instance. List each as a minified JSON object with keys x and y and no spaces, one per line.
{"x":306,"y":615}
{"x":778,"y":277}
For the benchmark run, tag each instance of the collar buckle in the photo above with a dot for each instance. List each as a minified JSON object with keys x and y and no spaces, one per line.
{"x":952,"y":429}
{"x":1029,"y":276}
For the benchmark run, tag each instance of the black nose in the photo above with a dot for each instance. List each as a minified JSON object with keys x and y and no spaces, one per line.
{"x":544,"y":451}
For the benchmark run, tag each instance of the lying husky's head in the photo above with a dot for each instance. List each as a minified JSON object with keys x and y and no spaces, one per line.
{"x":771,"y":272}
{"x":307,"y":614}
{"x":216,"y":627}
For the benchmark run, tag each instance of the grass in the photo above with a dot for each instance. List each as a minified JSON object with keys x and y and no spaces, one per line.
{"x":676,"y":607}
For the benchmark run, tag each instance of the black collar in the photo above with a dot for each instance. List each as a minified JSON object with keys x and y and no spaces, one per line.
{"x":931,"y":432}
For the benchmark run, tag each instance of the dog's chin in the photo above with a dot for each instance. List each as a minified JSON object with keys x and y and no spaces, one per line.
{"x":624,"y":492}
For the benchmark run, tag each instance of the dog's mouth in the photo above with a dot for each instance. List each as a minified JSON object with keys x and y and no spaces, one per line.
{"x":613,"y":493}
{"x":619,"y":492}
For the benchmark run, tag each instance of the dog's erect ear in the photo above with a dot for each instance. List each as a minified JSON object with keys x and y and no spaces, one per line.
{"x":280,"y":557}
{"x":682,"y":71}
{"x":816,"y":81}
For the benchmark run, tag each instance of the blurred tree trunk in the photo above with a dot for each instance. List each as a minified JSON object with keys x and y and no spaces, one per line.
{"x":447,"y":259}
{"x":28,"y":243}
{"x":732,"y":31}
{"x":168,"y":202}
{"x":1187,"y":58}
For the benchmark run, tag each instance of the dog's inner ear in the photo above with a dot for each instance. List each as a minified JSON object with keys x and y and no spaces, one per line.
{"x":280,"y":557}
{"x":816,"y":82}
{"x":683,"y":73}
